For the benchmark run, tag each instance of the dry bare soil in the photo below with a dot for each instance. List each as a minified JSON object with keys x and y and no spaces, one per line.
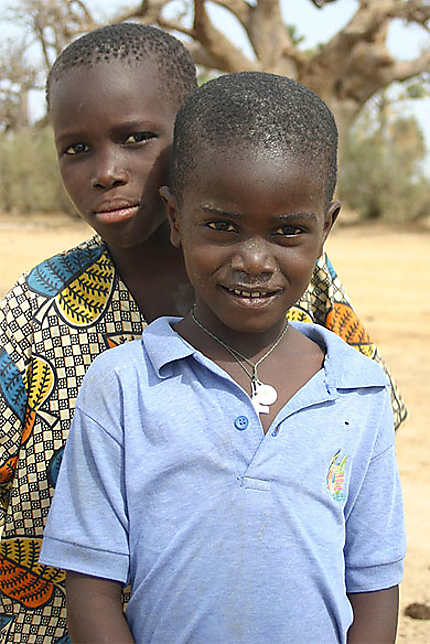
{"x":386,"y":273}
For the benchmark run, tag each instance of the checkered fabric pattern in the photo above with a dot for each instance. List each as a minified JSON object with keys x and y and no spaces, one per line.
{"x":53,"y":323}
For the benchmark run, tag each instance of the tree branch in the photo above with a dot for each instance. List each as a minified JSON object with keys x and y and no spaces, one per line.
{"x":319,"y":4}
{"x":148,"y":12}
{"x":203,"y":58}
{"x":239,"y":8}
{"x":175,"y":25}
{"x":413,"y":11}
{"x":417,"y":11}
{"x":220,"y":49}
{"x":88,"y":15}
{"x":404,"y":70}
{"x":271,"y":39}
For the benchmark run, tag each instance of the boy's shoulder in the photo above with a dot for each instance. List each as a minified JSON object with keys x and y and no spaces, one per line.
{"x":158,"y":344}
{"x":51,"y":274}
{"x":345,"y":366}
{"x":54,"y":273}
{"x":119,"y":358}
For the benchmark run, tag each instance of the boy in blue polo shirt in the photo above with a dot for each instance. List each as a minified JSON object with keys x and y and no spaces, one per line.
{"x":237,"y":470}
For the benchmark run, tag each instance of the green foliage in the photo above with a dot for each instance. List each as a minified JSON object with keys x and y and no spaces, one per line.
{"x":29,"y":178}
{"x":416,"y":91}
{"x":204,"y":75}
{"x":293,"y":32}
{"x":381,"y":172}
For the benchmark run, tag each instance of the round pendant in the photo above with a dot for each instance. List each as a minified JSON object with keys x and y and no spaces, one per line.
{"x":264,"y":394}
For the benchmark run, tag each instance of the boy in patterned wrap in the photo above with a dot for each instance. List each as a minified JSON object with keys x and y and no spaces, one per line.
{"x":270,"y":511}
{"x":112,"y":98}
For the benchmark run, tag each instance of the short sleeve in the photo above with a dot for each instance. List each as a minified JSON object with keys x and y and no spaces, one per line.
{"x":87,"y":527}
{"x":375,"y":534}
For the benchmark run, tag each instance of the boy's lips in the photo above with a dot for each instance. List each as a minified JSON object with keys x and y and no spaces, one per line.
{"x":251,"y":293}
{"x":115,"y":211}
{"x":252,"y":297}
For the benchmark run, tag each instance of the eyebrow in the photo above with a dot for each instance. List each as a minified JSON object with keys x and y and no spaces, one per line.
{"x":69,"y":134}
{"x":294,"y":215}
{"x":132,"y":124}
{"x":140,"y":124}
{"x":212,"y":210}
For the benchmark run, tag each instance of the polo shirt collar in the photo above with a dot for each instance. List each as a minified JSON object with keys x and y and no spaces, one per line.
{"x":163,"y":345}
{"x":344,"y":367}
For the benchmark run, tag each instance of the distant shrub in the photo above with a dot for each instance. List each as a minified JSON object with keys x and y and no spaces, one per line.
{"x":381,"y":173}
{"x":29,"y":177}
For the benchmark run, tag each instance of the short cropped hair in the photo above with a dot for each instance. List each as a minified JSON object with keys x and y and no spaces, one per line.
{"x":130,"y":43}
{"x":260,"y":112}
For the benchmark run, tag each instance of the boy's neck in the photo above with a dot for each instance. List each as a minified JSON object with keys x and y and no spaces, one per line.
{"x":251,"y":345}
{"x":131,"y":261}
{"x":154,"y":272}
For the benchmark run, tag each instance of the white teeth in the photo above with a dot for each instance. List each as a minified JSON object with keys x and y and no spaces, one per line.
{"x":254,"y":294}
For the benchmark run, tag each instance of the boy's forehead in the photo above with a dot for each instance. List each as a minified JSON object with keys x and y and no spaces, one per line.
{"x":121,"y":74}
{"x":114,"y":88}
{"x":230,"y":174}
{"x":260,"y":163}
{"x":112,"y":92}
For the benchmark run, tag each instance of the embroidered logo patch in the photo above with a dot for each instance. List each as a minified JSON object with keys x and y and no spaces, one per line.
{"x":336,"y":476}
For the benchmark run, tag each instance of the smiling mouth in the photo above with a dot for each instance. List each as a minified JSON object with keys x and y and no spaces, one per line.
{"x":251,"y":293}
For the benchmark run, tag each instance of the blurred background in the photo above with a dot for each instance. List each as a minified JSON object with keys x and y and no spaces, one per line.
{"x":370,"y":61}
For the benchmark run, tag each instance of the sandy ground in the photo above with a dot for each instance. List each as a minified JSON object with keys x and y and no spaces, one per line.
{"x":387,"y":275}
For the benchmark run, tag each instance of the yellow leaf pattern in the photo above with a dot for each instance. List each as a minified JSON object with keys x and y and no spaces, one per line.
{"x":83,"y":301}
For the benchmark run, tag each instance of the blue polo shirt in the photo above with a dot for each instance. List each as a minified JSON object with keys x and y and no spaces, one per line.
{"x":226,"y":534}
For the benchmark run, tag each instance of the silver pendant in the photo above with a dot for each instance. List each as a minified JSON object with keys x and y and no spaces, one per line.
{"x":262,"y":396}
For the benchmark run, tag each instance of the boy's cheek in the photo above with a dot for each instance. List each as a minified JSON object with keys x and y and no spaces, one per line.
{"x":74,"y":181}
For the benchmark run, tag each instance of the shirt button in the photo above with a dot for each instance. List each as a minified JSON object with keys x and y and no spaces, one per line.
{"x":241,"y":423}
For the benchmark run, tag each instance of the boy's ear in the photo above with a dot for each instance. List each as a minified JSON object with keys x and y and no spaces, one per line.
{"x":329,"y":218}
{"x":171,"y":206}
{"x":331,"y":215}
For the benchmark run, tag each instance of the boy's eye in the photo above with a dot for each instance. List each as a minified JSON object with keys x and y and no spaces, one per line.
{"x":76,"y":148}
{"x":139,"y":137}
{"x":288,"y":230}
{"x":222,"y":226}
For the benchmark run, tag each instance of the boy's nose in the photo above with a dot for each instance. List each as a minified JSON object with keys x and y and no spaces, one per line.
{"x":108,"y":174}
{"x":254,"y":257}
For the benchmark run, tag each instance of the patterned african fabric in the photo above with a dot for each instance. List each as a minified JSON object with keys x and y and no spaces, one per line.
{"x":53,"y":323}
